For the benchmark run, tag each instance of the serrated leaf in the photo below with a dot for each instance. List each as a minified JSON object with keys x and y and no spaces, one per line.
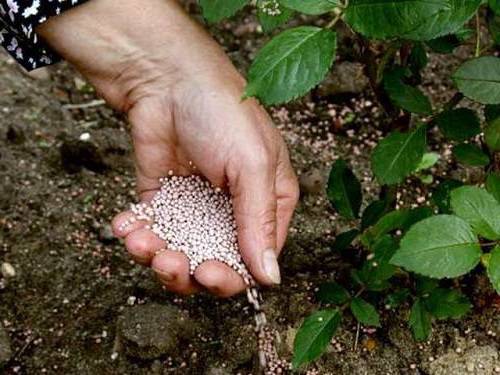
{"x":494,"y":5}
{"x":420,"y":321}
{"x":373,"y":212}
{"x":405,"y":96}
{"x":382,"y":19}
{"x":459,"y":124}
{"x":377,"y":269}
{"x":479,"y":208}
{"x":447,"y":304}
{"x":444,"y":44}
{"x":472,"y":155}
{"x":494,"y":268}
{"x":447,"y":21}
{"x":418,"y":58}
{"x":441,"y":246}
{"x":441,"y":195}
{"x":332,"y":293}
{"x":344,"y":190}
{"x":428,"y":161}
{"x":291,"y":64}
{"x":271,"y":22}
{"x":344,"y":240}
{"x":425,"y":285}
{"x":217,"y":10}
{"x":397,"y":155}
{"x":314,"y":335}
{"x":492,"y":131}
{"x":364,"y":312}
{"x":479,"y":79}
{"x":401,"y":219}
{"x":493,"y":185}
{"x":313,"y":7}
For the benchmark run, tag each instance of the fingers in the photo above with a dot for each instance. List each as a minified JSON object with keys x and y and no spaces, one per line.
{"x":172,"y":269}
{"x":252,"y":186}
{"x":287,"y":192}
{"x":125,"y":223}
{"x":219,"y":279}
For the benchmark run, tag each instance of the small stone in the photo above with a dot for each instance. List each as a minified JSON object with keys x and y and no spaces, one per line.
{"x":84,"y":137}
{"x":106,"y":234}
{"x":312,"y":182}
{"x":8,"y":271}
{"x":152,"y":330}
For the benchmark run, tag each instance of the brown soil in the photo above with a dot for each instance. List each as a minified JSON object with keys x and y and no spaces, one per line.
{"x":73,"y":302}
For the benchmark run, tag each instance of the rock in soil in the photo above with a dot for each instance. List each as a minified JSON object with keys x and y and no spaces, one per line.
{"x":345,"y":78}
{"x":476,"y":360}
{"x":151,"y":331}
{"x":312,"y":182}
{"x":5,"y":350}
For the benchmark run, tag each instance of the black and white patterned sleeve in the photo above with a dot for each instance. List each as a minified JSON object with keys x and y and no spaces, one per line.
{"x":19,"y":18}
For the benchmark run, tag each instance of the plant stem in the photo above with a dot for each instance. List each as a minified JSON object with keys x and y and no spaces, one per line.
{"x":478,"y":35}
{"x":333,"y":22}
{"x":493,"y":243}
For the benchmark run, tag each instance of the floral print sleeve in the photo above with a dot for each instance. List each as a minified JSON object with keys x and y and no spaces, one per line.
{"x":19,"y":18}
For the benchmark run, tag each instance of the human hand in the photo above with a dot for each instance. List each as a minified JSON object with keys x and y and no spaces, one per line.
{"x":182,"y":96}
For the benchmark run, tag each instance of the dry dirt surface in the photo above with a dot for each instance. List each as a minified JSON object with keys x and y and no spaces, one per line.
{"x":71,"y":302}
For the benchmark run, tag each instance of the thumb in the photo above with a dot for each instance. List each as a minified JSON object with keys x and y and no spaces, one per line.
{"x":255,"y":204}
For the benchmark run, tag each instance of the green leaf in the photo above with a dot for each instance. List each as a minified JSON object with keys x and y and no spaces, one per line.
{"x":395,"y":299}
{"x":494,"y":5}
{"x":383,"y":19}
{"x":479,"y":79}
{"x":418,"y":58}
{"x":492,"y":132}
{"x":441,"y":196}
{"x":493,"y":21}
{"x":344,"y":190}
{"x":405,"y":96}
{"x":364,"y":312}
{"x":459,"y":124}
{"x":493,"y":185}
{"x":291,"y":64}
{"x":479,"y":208}
{"x":494,"y":268}
{"x":444,"y":44}
{"x":442,"y":246}
{"x":271,"y":22}
{"x":377,"y":269}
{"x":447,"y":304}
{"x":472,"y":155}
{"x":217,"y":10}
{"x":373,"y":213}
{"x":420,"y":321}
{"x":312,"y":7}
{"x":401,"y":219}
{"x":425,"y":285}
{"x":314,"y":335}
{"x":447,"y":21}
{"x":332,"y":293}
{"x":428,"y":161}
{"x":397,"y":155}
{"x":344,"y":240}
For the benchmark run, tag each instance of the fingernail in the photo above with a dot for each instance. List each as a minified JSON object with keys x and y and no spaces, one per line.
{"x":164,"y":276}
{"x":270,"y":265}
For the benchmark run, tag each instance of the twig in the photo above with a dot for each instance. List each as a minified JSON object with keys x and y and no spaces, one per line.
{"x":356,"y":340}
{"x":93,"y":103}
{"x":478,"y":35}
{"x":333,"y":22}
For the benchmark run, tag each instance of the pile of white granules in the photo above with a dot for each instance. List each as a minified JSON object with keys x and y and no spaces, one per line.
{"x":196,"y":218}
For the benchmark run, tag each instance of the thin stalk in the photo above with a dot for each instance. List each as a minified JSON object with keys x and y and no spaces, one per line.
{"x":333,"y":22}
{"x":478,"y":35}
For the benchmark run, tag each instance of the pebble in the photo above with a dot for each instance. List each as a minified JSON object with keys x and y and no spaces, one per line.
{"x":8,"y":271}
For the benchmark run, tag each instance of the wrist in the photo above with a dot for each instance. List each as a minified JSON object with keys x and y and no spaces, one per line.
{"x":131,"y":48}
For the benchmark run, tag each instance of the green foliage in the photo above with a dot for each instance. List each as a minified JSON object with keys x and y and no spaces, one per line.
{"x":314,"y":335}
{"x":479,"y":79}
{"x":216,"y":10}
{"x":332,"y":293}
{"x":364,"y":312}
{"x":447,"y":304}
{"x":441,"y":246}
{"x":344,"y":190}
{"x":494,"y":268}
{"x":420,"y":321}
{"x":312,"y":7}
{"x":291,"y":64}
{"x":405,"y":96}
{"x":472,"y":155}
{"x":459,"y":124}
{"x":425,"y":243}
{"x":388,"y":19}
{"x":493,"y":185}
{"x":479,"y":208}
{"x":398,"y":155}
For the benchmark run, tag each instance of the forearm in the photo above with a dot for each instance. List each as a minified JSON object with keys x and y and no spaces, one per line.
{"x":117,"y":44}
